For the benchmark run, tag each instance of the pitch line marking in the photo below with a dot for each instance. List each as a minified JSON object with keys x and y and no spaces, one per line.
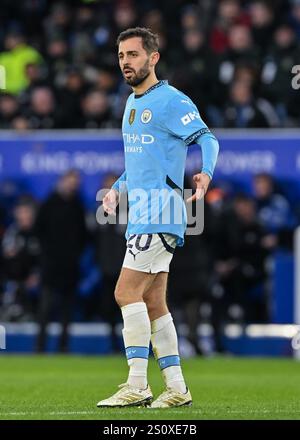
{"x":175,"y":411}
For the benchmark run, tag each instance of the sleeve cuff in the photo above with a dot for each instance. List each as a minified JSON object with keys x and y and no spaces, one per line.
{"x":209,"y":173}
{"x":193,"y":137}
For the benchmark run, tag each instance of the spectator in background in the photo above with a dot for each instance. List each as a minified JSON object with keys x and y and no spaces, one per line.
{"x":274,"y":212}
{"x":70,"y":96}
{"x":240,"y":265}
{"x":20,"y":264}
{"x":262,"y":23}
{"x":241,"y":49}
{"x":84,"y":43}
{"x":246,"y":73}
{"x":59,"y":21}
{"x":154,"y":20}
{"x":62,"y":232}
{"x":189,"y":18}
{"x":20,"y":123}
{"x":43,"y":112}
{"x":58,"y":57}
{"x":96,"y":111}
{"x":192,"y":68}
{"x":10,"y":192}
{"x":36,"y":75}
{"x":193,"y":261}
{"x":9,"y":109}
{"x":17,"y":56}
{"x":276,"y":71}
{"x":244,"y":111}
{"x":125,"y":16}
{"x":229,"y":13}
{"x":110,"y":250}
{"x":294,"y":16}
{"x":106,"y":81}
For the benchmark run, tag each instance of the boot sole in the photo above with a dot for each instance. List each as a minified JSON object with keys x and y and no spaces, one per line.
{"x":143,"y":403}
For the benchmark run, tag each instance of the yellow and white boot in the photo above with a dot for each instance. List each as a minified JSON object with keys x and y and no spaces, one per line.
{"x":128,"y":396}
{"x":172,"y":398}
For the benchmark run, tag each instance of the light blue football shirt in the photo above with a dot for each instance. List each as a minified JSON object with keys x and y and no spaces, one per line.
{"x":157,"y":128}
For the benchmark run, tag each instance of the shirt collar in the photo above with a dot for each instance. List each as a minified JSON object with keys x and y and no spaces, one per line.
{"x":160,"y":83}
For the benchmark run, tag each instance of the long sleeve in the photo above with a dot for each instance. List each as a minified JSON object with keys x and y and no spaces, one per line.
{"x":120,"y":184}
{"x":210,"y":149}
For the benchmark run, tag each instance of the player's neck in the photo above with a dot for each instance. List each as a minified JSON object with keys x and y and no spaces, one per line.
{"x":150,"y":81}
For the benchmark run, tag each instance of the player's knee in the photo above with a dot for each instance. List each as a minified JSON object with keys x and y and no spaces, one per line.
{"x":156,"y":309}
{"x":118,"y":297}
{"x":123,"y":298}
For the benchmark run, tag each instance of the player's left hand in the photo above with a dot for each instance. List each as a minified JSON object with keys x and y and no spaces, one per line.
{"x":202,"y":181}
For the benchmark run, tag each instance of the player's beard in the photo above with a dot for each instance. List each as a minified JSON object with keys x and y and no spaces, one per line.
{"x":138,"y":77}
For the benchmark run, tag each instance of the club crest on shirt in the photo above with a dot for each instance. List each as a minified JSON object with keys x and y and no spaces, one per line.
{"x":132,"y":116}
{"x":146,"y":116}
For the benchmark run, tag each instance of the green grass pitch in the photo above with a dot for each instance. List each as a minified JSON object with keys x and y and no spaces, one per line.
{"x":68,"y":387}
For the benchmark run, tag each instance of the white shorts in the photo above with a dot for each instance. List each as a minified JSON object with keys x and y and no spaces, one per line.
{"x":151,"y":253}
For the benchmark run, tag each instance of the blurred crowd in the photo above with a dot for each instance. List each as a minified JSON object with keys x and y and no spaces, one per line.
{"x":234,"y":58}
{"x":58,"y":264}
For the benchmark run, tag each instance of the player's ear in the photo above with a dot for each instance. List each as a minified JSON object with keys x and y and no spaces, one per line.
{"x":154,"y":58}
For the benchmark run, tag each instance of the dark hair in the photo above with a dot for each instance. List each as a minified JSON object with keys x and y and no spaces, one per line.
{"x":71,"y":172}
{"x":26,"y":201}
{"x":149,"y":39}
{"x":242,"y":197}
{"x":264,"y":176}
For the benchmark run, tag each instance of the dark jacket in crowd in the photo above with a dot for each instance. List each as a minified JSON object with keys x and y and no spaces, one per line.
{"x":62,"y":232}
{"x":20,"y":251}
{"x":191,"y":265}
{"x":240,"y":243}
{"x":111,"y":248}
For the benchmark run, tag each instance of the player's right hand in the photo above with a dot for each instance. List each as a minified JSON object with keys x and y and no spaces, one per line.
{"x":110,"y":202}
{"x":202,"y":181}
